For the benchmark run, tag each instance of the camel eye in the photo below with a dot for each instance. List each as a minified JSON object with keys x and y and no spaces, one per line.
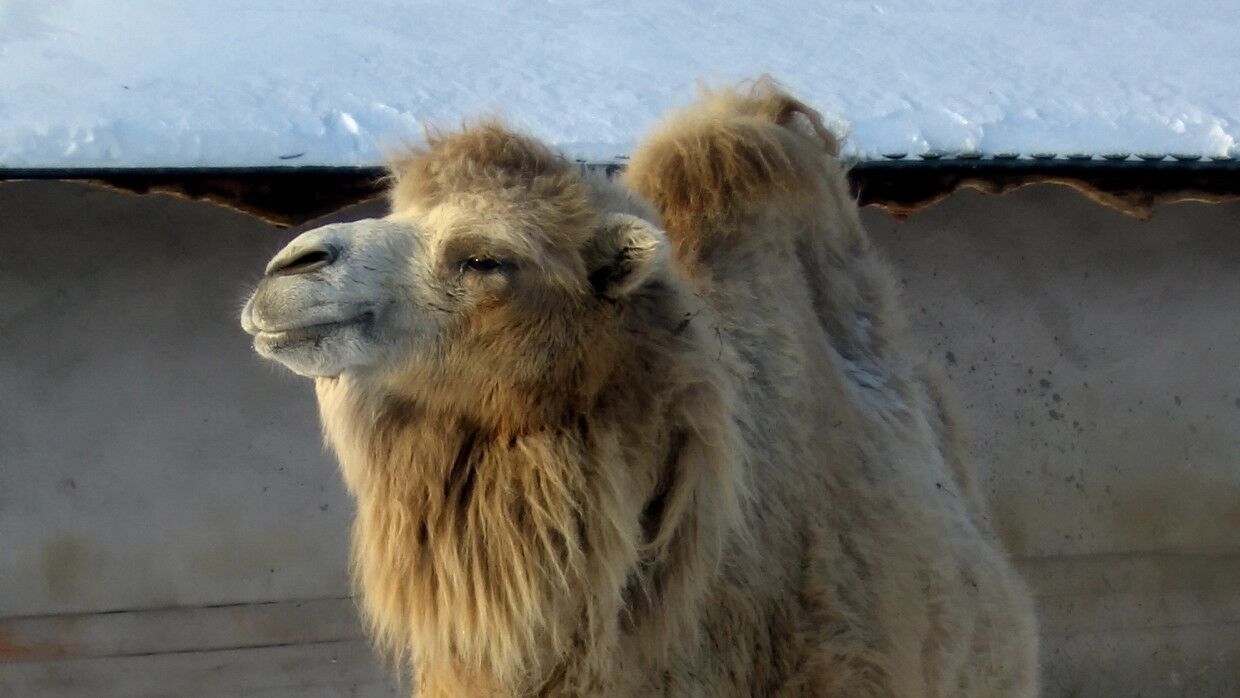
{"x":483,"y":265}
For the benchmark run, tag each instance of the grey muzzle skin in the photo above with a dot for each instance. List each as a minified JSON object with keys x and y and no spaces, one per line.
{"x":303,"y":261}
{"x":336,"y":297}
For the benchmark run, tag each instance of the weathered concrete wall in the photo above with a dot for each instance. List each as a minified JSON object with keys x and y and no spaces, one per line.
{"x":148,"y":459}
{"x":1098,"y":359}
{"x":150,"y":464}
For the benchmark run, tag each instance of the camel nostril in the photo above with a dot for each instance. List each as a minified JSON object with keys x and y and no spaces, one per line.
{"x":305,"y":262}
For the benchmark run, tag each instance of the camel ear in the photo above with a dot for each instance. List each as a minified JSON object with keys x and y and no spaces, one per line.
{"x":624,"y":253}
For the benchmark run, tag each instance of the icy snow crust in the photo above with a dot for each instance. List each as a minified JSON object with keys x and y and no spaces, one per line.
{"x":221,"y":83}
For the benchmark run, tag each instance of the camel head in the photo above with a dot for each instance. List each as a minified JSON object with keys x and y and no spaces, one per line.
{"x":501,"y":267}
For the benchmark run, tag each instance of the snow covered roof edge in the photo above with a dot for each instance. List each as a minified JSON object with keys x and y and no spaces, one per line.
{"x":317,"y":82}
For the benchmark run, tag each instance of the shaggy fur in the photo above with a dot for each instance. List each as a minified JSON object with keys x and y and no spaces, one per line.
{"x":611,"y":469}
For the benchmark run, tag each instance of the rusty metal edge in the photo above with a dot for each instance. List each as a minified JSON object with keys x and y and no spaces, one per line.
{"x":288,"y":196}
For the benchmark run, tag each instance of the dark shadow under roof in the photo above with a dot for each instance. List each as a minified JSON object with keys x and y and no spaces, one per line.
{"x":288,"y":196}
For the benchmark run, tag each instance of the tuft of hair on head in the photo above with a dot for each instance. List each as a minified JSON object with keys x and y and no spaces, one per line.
{"x":731,"y":152}
{"x":477,"y":157}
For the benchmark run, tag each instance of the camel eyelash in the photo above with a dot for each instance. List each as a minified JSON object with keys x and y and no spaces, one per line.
{"x":484,"y":265}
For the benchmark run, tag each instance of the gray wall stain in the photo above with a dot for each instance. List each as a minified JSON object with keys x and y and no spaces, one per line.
{"x":64,"y":566}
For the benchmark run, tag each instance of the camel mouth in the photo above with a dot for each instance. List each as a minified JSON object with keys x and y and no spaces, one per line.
{"x":271,"y":341}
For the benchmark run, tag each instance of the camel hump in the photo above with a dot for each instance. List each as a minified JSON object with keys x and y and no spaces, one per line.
{"x":770,"y":100}
{"x":732,"y":153}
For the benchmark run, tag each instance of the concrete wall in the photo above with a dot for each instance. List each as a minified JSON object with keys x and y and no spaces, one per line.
{"x":150,"y":465}
{"x":170,"y":525}
{"x":1098,"y":359}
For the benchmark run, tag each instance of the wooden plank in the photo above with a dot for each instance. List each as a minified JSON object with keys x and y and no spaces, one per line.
{"x":131,"y":633}
{"x":1198,"y":661}
{"x":1075,"y":594}
{"x":1110,"y":623}
{"x":342,"y":668}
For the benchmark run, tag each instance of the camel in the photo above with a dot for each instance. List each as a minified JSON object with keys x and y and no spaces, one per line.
{"x":644,"y":437}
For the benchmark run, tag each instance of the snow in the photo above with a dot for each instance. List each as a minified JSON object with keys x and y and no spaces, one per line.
{"x":86,"y":83}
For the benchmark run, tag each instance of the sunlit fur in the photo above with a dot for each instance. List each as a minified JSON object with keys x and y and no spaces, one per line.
{"x":506,"y":538}
{"x":692,"y":466}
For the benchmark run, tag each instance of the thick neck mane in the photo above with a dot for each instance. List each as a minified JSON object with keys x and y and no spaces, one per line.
{"x":507,"y":556}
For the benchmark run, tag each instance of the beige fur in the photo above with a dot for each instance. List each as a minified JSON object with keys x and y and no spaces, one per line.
{"x":597,"y":467}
